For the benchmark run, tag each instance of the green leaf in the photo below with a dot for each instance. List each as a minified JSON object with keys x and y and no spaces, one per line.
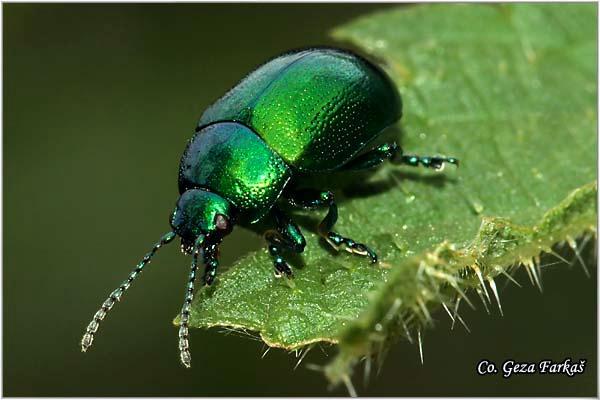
{"x":508,"y":89}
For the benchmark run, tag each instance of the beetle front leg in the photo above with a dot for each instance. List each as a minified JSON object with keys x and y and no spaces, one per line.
{"x":286,"y":237}
{"x":211,"y":261}
{"x":309,"y":198}
{"x":394,"y":153}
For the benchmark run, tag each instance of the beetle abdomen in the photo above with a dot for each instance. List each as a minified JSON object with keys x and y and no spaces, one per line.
{"x":229,"y":159}
{"x":316,"y":108}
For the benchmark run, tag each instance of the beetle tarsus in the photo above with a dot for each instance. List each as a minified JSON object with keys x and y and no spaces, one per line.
{"x":281,"y":266}
{"x":434,"y":162}
{"x":211,"y":261}
{"x":310,"y":199}
{"x":211,"y":271}
{"x":336,"y":241}
{"x":393,"y":152}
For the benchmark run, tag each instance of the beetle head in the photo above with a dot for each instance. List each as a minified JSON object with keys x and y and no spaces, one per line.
{"x":200,"y":213}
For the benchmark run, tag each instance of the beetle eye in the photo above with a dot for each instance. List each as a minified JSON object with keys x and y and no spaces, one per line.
{"x":221,"y":223}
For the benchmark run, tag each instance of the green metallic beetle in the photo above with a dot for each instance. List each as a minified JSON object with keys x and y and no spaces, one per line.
{"x":308,"y":111}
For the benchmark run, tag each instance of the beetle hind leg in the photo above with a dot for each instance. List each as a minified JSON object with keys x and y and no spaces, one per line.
{"x":434,"y":162}
{"x":394,"y":153}
{"x":308,"y":198}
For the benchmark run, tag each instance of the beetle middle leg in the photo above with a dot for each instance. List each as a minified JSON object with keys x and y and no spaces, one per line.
{"x":310,"y":199}
{"x":286,"y":237}
{"x":394,"y":153}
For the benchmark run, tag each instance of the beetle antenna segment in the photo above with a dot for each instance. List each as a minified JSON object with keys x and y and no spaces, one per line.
{"x":92,"y":328}
{"x":184,"y":346}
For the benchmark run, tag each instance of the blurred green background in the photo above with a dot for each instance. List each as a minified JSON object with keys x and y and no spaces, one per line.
{"x":99,"y":101}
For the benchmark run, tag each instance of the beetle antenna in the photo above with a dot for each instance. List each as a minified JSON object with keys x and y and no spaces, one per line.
{"x":184,"y":345}
{"x":92,"y":328}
